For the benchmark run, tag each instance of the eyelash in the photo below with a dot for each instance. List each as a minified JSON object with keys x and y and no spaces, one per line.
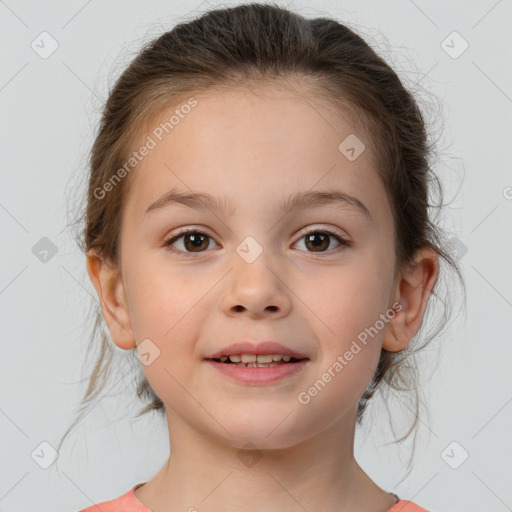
{"x":342,"y":241}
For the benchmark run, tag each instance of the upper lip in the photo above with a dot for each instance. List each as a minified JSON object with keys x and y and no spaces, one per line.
{"x":256,"y":348}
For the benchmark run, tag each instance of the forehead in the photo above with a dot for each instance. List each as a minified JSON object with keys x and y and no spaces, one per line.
{"x":272,"y":137}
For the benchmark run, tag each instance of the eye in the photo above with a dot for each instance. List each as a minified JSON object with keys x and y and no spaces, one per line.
{"x":319,"y":240}
{"x":193,"y":241}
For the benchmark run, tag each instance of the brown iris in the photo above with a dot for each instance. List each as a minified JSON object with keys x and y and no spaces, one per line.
{"x":197,"y":241}
{"x":314,"y":238}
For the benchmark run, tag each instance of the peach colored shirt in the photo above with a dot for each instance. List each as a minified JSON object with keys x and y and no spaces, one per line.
{"x":129,"y":503}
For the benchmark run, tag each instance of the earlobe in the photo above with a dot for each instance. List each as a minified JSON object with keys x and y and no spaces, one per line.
{"x":109,"y":287}
{"x":413,"y":291}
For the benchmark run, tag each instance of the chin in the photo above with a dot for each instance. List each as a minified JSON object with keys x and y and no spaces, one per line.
{"x":263,"y":431}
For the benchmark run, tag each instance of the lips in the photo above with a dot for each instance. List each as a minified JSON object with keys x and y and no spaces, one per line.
{"x":257,"y":348}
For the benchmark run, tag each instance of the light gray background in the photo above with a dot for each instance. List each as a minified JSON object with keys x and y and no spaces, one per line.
{"x":50,"y":110}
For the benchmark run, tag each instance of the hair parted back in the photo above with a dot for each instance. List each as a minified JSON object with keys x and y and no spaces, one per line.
{"x":259,"y":43}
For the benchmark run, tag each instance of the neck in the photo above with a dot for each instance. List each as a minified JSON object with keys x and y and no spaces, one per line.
{"x":204,"y":473}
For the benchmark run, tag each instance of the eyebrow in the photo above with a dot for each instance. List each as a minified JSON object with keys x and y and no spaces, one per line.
{"x":299,"y":200}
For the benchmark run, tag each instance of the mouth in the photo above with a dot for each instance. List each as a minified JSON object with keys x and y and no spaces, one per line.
{"x":260,"y":369}
{"x":258,"y":361}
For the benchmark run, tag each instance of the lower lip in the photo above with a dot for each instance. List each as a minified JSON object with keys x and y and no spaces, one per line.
{"x":259,"y":375}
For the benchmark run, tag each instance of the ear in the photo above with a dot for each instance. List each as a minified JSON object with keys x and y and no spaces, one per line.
{"x":412,"y":291}
{"x":109,"y":287}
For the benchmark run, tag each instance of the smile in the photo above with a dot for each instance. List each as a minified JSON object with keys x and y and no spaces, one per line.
{"x":260,"y":369}
{"x":260,"y":360}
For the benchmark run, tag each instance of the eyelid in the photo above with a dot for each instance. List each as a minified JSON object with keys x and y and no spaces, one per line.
{"x":331,"y":231}
{"x":186,"y":231}
{"x":313,"y":228}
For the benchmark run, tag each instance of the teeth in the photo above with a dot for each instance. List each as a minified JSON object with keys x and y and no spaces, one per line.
{"x":260,"y":358}
{"x":265,"y":358}
{"x":256,"y":365}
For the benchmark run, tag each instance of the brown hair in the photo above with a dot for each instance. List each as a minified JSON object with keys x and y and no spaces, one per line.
{"x":232,"y":47}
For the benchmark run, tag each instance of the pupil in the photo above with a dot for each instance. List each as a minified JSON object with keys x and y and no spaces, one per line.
{"x":196,"y":240}
{"x":318,"y":243}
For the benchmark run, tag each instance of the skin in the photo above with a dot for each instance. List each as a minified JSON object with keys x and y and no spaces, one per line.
{"x":258,"y":147}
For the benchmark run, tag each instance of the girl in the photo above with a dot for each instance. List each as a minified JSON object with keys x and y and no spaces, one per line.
{"x":257,"y":231}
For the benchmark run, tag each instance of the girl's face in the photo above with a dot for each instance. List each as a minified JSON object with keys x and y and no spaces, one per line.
{"x":251,"y":272}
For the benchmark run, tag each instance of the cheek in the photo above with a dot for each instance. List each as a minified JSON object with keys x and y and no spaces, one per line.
{"x":348,"y":301}
{"x":165,"y":318}
{"x":347,"y":313}
{"x":165,"y":309}
{"x":161,"y":299}
{"x":347,"y":365}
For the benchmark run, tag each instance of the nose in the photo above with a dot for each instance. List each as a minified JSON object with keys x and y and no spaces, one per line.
{"x":256,"y":289}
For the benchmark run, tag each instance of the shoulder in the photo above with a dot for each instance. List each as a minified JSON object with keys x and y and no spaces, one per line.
{"x":124,"y":503}
{"x":406,"y":506}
